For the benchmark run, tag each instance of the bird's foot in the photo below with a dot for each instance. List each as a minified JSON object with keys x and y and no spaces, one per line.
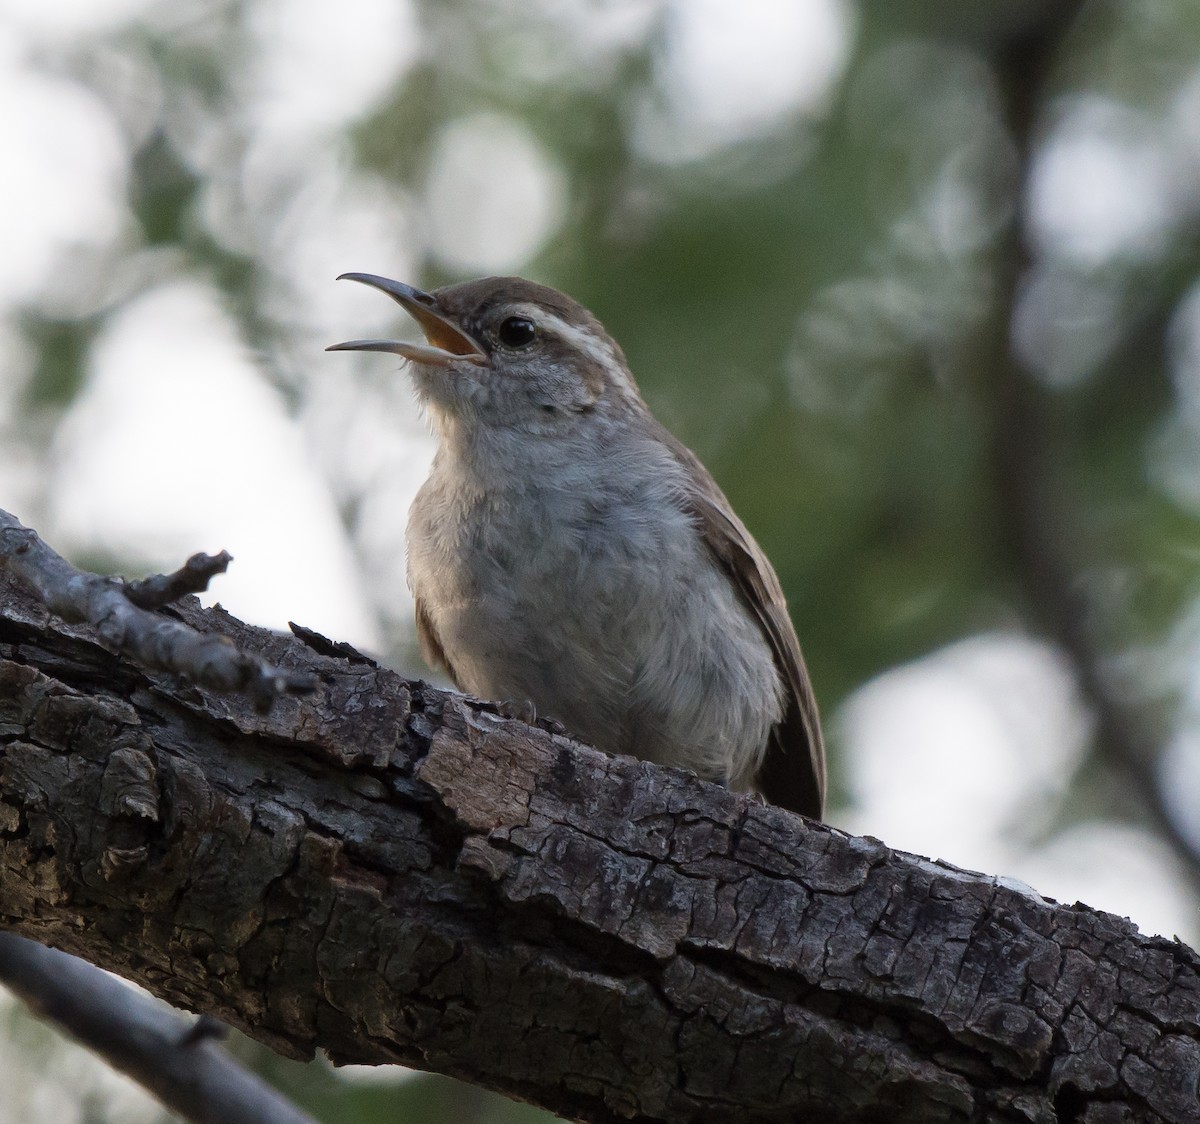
{"x":523,"y":710}
{"x":552,"y":726}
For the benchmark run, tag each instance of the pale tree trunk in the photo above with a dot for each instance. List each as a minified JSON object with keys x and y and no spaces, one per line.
{"x":392,"y":873}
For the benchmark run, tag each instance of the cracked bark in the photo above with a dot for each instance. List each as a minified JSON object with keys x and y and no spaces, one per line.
{"x":393,"y":873}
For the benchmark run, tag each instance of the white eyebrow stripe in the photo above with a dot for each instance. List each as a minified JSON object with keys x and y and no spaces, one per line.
{"x":598,"y":348}
{"x":580,"y":338}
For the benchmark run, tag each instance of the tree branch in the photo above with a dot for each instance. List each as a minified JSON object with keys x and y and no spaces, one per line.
{"x":192,"y":577}
{"x":1036,"y":516}
{"x":111,"y":607}
{"x":191,"y":1076}
{"x":396,"y":874}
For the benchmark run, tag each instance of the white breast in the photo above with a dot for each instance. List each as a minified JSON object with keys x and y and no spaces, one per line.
{"x":615,"y":621}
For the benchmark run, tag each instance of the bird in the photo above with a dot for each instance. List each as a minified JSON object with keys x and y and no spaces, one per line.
{"x":571,"y":557}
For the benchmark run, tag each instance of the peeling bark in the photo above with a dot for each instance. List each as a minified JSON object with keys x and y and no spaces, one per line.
{"x":393,"y":873}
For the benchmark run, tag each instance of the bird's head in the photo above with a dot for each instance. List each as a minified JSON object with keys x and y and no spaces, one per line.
{"x":507,"y":353}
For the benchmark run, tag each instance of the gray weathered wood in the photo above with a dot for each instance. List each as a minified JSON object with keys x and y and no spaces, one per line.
{"x":396,"y":874}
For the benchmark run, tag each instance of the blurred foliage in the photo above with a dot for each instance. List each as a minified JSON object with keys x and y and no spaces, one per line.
{"x":811,"y":306}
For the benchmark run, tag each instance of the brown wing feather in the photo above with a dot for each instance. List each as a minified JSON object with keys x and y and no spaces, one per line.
{"x":793,"y":770}
{"x":431,"y":647}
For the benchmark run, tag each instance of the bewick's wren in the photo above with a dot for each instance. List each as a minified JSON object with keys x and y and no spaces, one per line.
{"x":567,"y":550}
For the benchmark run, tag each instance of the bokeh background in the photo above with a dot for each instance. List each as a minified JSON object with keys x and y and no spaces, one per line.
{"x":917,"y":280}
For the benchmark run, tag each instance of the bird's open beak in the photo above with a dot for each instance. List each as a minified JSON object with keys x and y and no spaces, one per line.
{"x":447,"y":343}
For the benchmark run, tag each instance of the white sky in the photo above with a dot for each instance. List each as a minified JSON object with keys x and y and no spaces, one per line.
{"x":730,"y":71}
{"x":1102,"y":185}
{"x":177,"y":443}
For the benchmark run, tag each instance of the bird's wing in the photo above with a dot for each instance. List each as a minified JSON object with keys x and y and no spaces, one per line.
{"x":431,"y":646}
{"x":793,"y":770}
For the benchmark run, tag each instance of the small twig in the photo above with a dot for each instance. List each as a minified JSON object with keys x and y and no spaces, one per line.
{"x":206,"y":1027}
{"x":191,"y":1076}
{"x":153,"y":641}
{"x":193,"y":576}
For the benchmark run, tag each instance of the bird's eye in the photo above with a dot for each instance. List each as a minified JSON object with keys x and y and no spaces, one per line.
{"x":517,"y":331}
